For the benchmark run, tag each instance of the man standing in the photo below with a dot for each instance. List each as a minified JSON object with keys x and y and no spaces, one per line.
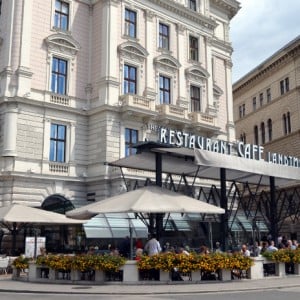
{"x":152,"y":247}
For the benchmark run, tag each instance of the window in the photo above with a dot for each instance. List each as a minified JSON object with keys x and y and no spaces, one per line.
{"x":164,"y":90}
{"x":194,"y":48}
{"x":269,"y":97}
{"x":243,"y":137}
{"x":287,"y":123}
{"x":61,"y":17}
{"x":59,"y":76}
{"x":263,"y":132}
{"x":242,"y":110}
{"x":129,"y":80}
{"x":130,"y":23}
{"x":261,"y":99}
{"x":163,"y":36}
{"x":195,"y":98}
{"x":57,"y":143}
{"x":131,"y":138}
{"x":0,"y":7}
{"x":255,"y":135}
{"x":270,"y":130}
{"x":254,"y":103}
{"x":192,"y":5}
{"x":284,"y":86}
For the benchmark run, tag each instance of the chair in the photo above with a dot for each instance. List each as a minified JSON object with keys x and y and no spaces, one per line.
{"x":4,"y":265}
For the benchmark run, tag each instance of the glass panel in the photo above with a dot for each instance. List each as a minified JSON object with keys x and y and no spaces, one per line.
{"x":52,"y":156}
{"x":53,"y":131}
{"x":60,"y":151}
{"x":61,"y":132}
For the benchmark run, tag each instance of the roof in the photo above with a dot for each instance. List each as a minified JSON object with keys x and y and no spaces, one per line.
{"x":207,"y":164}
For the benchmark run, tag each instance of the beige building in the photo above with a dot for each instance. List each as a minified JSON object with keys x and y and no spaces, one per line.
{"x":266,"y":102}
{"x":267,"y":112}
{"x":82,"y":80}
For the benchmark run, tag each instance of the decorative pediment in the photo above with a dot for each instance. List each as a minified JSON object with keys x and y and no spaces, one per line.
{"x":196,"y":73}
{"x":166,"y":61}
{"x":62,"y":43}
{"x":133,"y":51}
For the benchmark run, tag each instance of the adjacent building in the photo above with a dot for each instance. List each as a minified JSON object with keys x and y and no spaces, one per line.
{"x":267,"y":112}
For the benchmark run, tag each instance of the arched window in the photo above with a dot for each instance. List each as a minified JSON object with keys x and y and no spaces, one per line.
{"x":243,"y":137}
{"x":256,"y":135}
{"x":270,"y":130}
{"x":263,"y":132}
{"x":286,"y":119}
{"x":58,"y":204}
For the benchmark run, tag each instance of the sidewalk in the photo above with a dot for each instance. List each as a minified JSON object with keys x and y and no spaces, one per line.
{"x":9,"y":285}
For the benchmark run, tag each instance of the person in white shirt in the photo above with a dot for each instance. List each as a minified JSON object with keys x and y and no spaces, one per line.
{"x":245,"y":251}
{"x":152,"y":247}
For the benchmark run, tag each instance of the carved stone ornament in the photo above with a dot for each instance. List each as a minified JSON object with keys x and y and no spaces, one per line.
{"x":167,"y":63}
{"x":62,"y":43}
{"x":133,"y":51}
{"x":196,"y":73}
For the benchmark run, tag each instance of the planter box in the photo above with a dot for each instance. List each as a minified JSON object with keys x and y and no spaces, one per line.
{"x":164,"y":276}
{"x":280,"y":269}
{"x":130,"y":271}
{"x":257,"y":270}
{"x":15,"y":273}
{"x":196,"y":276}
{"x":225,"y":275}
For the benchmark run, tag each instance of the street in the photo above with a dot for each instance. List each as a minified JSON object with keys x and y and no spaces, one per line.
{"x":291,"y":293}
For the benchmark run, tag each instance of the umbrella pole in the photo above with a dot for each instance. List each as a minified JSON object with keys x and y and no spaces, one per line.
{"x":131,"y":242}
{"x":14,"y":238}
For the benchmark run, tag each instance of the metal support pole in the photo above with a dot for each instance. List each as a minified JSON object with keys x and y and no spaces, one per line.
{"x":158,"y":181}
{"x":224,"y":205}
{"x":273,"y":211}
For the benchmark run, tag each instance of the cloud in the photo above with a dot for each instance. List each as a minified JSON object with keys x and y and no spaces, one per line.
{"x":260,"y":29}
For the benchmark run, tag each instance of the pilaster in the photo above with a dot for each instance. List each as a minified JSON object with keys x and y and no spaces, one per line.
{"x":181,"y":42}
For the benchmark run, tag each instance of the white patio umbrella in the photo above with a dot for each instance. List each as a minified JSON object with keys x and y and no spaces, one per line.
{"x":15,"y":215}
{"x":149,"y":199}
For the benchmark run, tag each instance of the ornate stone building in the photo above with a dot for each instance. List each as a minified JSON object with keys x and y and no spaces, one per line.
{"x":82,"y":80}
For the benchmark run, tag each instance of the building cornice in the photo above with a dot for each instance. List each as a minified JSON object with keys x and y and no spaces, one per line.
{"x":183,"y":12}
{"x":230,"y":6}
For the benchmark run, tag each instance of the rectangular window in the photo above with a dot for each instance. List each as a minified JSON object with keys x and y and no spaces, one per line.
{"x":61,"y":17}
{"x":129,"y":80}
{"x":57,"y":143}
{"x":195,"y":98}
{"x":164,"y":90}
{"x":59,"y":76}
{"x":163,"y":36}
{"x":192,"y":5}
{"x":131,"y":138}
{"x":194,"y":48}
{"x":254,"y":103}
{"x":269,"y":96}
{"x":242,"y":110}
{"x":284,"y":86}
{"x":130,"y":23}
{"x":261,"y":99}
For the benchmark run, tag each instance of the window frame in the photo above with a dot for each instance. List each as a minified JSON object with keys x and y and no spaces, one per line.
{"x":263,"y":132}
{"x":59,"y":14}
{"x":59,"y":75}
{"x":254,"y":103}
{"x":128,"y":143}
{"x":256,"y":138}
{"x":192,"y":5}
{"x":193,"y":48}
{"x":270,"y":129}
{"x":56,"y":140}
{"x":269,"y":95}
{"x":163,"y":90}
{"x":163,"y":38}
{"x":128,"y":23}
{"x":195,"y":101}
{"x":127,"y":81}
{"x":284,"y":85}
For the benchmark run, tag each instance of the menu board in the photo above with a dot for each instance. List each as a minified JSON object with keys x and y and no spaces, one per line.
{"x":33,"y":245}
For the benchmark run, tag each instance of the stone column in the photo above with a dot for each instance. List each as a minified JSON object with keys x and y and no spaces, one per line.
{"x":10,"y":131}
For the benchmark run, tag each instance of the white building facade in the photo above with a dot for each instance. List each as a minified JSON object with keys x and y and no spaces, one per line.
{"x":82,"y":80}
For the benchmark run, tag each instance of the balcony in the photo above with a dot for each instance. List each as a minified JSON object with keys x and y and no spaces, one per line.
{"x":170,"y":110}
{"x":61,"y":168}
{"x":203,"y":120}
{"x":137,"y":104}
{"x":60,"y":99}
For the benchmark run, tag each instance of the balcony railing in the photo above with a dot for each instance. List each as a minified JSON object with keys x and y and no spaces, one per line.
{"x":199,"y":117}
{"x":60,"y":99}
{"x":172,"y":110}
{"x":137,"y":102}
{"x":55,"y":167}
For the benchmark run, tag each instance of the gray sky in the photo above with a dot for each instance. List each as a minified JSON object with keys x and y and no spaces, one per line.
{"x":259,"y":29}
